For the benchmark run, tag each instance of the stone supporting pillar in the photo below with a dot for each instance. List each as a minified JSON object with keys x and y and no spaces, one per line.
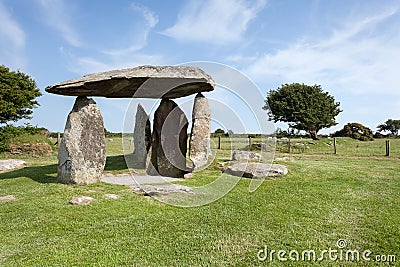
{"x":169,"y":141}
{"x":82,"y":154}
{"x":141,"y":138}
{"x":199,"y":147}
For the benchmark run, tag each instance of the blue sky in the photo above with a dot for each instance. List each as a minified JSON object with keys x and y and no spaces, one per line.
{"x":351,"y":48}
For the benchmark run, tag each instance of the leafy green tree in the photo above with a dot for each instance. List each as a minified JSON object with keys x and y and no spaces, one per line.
{"x":18,"y":93}
{"x":219,"y":131}
{"x":303,"y":107}
{"x":355,"y":131}
{"x":390,"y":125}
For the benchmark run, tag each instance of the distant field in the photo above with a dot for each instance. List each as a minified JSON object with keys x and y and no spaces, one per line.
{"x":324,"y":198}
{"x":345,"y":146}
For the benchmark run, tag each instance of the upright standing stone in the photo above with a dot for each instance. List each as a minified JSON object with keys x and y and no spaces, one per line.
{"x":199,"y":147}
{"x":82,"y":154}
{"x":141,"y":137}
{"x":169,"y":141}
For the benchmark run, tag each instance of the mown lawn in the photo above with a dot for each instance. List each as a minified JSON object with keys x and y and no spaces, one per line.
{"x":324,"y":198}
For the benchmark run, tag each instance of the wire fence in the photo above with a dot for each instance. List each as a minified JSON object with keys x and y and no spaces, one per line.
{"x":340,"y":146}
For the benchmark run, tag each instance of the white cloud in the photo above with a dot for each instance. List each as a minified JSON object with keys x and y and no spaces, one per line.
{"x":12,"y":40}
{"x":360,"y":57}
{"x":58,"y":16}
{"x":214,"y":21}
{"x":85,"y":65}
{"x":140,"y":40}
{"x":150,"y":17}
{"x":101,"y":59}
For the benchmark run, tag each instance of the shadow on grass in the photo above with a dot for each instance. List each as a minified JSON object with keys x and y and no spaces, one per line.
{"x":48,"y":173}
{"x":41,"y":174}
{"x":118,"y":163}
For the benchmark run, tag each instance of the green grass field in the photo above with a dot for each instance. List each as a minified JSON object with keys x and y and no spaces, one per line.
{"x":353,"y":196}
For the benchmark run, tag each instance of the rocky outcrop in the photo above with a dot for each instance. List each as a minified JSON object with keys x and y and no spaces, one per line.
{"x":82,"y":153}
{"x":256,"y":170}
{"x":199,"y":147}
{"x":169,"y":141}
{"x":141,"y":138}
{"x":153,"y":81}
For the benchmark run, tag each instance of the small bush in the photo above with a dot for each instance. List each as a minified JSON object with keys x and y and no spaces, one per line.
{"x":23,"y":134}
{"x":356,"y":131}
{"x":42,"y":149}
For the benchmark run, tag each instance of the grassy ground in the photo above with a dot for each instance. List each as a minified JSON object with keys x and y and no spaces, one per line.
{"x":324,"y":198}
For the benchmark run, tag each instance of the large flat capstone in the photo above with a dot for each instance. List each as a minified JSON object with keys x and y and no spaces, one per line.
{"x":140,"y":82}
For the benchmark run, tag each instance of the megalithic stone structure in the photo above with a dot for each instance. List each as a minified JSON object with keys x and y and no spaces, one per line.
{"x":169,"y":141}
{"x":199,"y":147}
{"x":82,"y":154}
{"x":141,"y":138}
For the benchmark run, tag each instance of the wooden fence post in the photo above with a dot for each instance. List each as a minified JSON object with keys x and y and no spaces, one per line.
{"x":387,"y":148}
{"x":58,"y":139}
{"x":289,"y":145}
{"x":219,"y":142}
{"x":334,"y":146}
{"x":249,"y":143}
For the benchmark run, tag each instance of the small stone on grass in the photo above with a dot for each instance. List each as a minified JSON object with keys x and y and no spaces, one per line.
{"x":81,"y":200}
{"x":7,"y":198}
{"x":112,"y":196}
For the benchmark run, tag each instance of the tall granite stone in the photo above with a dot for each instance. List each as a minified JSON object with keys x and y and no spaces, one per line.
{"x":82,"y":153}
{"x":169,"y":141}
{"x":141,"y":137}
{"x":199,"y":147}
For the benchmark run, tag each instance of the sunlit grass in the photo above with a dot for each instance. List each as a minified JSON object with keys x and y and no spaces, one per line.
{"x":323,"y":198}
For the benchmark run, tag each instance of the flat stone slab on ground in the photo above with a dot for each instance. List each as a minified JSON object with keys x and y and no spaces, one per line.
{"x":10,"y":164}
{"x":8,"y":198}
{"x":256,"y":170}
{"x":166,"y":189}
{"x":154,"y":81}
{"x":127,"y":179}
{"x":81,"y":200}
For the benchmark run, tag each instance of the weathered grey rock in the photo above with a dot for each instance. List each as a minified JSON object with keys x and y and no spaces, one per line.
{"x":169,"y":141}
{"x":153,"y":81}
{"x":8,"y":198}
{"x":81,"y":200}
{"x":82,"y":153}
{"x":241,"y":155}
{"x":141,"y":138}
{"x":157,"y":190}
{"x":10,"y":164}
{"x":199,"y":147}
{"x":256,"y":170}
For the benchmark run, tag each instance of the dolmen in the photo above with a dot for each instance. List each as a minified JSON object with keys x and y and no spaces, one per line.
{"x":82,"y":153}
